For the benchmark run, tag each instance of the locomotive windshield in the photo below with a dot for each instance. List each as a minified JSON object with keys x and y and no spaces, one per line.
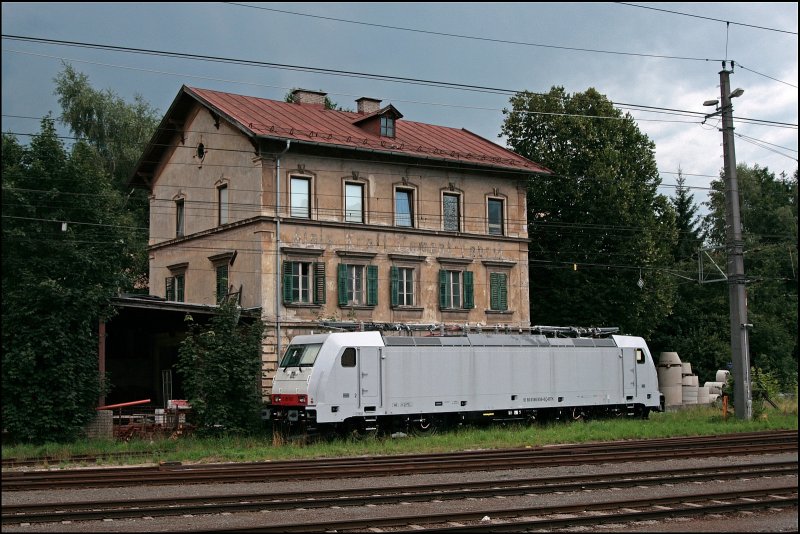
{"x":300,"y":355}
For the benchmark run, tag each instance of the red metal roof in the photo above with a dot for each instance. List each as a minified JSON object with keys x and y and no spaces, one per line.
{"x":261,"y":117}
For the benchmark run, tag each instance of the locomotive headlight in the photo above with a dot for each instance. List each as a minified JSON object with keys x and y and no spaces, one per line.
{"x":276,"y":399}
{"x":301,"y":399}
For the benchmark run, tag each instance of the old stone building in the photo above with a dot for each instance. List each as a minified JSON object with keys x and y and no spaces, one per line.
{"x":324,"y":218}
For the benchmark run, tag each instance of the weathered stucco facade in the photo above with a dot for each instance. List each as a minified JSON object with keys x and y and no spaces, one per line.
{"x":359,"y":235}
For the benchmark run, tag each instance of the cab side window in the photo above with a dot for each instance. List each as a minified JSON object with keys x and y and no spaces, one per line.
{"x":639,"y":356}
{"x":349,"y":357}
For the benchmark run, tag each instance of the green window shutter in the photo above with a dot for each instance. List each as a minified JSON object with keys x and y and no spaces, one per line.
{"x":319,"y":282}
{"x":395,"y":280}
{"x":170,"y":285}
{"x":372,"y":285}
{"x":503,"y":281}
{"x":287,"y":281}
{"x":342,"y":279}
{"x":469,"y":290}
{"x":444,"y":299}
{"x":494,"y":291}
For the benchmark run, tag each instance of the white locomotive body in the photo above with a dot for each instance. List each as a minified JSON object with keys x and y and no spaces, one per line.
{"x":364,"y":380}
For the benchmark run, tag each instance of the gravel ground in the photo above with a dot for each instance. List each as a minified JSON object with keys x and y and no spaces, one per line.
{"x":767,"y":521}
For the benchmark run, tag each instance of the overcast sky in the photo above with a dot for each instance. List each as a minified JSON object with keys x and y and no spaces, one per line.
{"x":616,"y":48}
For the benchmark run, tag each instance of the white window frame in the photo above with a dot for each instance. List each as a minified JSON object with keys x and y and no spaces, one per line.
{"x":455,"y":282}
{"x":410,"y":192}
{"x":457,"y":197}
{"x":354,"y":216}
{"x":405,"y":286}
{"x":356,"y":284}
{"x":296,"y":208}
{"x":502,"y":226}
{"x":302,"y":282}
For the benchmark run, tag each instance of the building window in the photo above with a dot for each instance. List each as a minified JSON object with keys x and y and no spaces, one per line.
{"x":354,"y":203}
{"x":176,"y":287}
{"x":222,"y":204}
{"x":495,"y":209}
{"x":222,"y":282}
{"x":404,"y":207}
{"x":498,"y":291}
{"x":358,"y":285}
{"x":451,"y":212}
{"x":303,"y":282}
{"x":456,"y":289}
{"x":179,"y":218}
{"x":387,"y":126}
{"x":402,"y":286}
{"x":300,"y":197}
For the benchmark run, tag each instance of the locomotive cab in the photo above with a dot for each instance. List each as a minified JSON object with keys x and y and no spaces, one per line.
{"x":290,"y":399}
{"x":326,"y":372}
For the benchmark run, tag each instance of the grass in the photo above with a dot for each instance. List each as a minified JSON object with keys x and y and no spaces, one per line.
{"x":694,"y":421}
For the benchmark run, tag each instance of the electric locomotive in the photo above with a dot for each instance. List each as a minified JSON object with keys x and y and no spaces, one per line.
{"x":364,"y":381}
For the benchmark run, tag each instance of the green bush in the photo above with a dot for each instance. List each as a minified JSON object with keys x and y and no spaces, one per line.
{"x":221,"y":368}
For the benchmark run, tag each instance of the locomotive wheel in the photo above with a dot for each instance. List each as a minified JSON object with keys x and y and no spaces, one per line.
{"x":425,"y":426}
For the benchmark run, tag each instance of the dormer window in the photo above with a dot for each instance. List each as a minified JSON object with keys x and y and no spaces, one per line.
{"x":387,"y":126}
{"x":379,"y":123}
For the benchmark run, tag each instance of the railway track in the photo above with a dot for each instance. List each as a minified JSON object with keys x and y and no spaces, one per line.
{"x":622,"y":451}
{"x":246,"y":502}
{"x":64,"y":461}
{"x":543,"y":518}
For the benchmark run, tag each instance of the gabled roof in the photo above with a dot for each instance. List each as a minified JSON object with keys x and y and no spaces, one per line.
{"x":273,"y":119}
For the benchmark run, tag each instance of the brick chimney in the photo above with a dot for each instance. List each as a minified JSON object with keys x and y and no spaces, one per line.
{"x":368,"y":105}
{"x":309,"y":98}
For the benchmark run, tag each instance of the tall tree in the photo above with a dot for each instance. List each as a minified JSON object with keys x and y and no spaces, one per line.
{"x":686,"y":221}
{"x":65,"y":238}
{"x":697,"y":326}
{"x":118,"y":131}
{"x":597,"y":226}
{"x":768,"y":206}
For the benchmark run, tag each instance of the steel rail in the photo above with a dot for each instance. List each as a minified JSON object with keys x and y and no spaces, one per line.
{"x":542,"y":449}
{"x":613,"y":511}
{"x":94,"y":510}
{"x":386,"y":466}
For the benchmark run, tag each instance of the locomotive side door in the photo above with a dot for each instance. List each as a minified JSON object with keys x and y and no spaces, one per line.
{"x":629,"y":372}
{"x":369,"y":376}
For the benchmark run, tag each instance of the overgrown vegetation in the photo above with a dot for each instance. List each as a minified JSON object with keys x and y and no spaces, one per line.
{"x":693,"y":421}
{"x":65,"y":255}
{"x":118,"y":132}
{"x":221,"y":369}
{"x":598,"y":226}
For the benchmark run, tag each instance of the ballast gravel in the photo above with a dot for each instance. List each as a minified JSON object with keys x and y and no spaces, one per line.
{"x":779,"y":520}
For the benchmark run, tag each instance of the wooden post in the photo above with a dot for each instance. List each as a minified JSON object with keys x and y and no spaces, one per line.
{"x":101,"y":360}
